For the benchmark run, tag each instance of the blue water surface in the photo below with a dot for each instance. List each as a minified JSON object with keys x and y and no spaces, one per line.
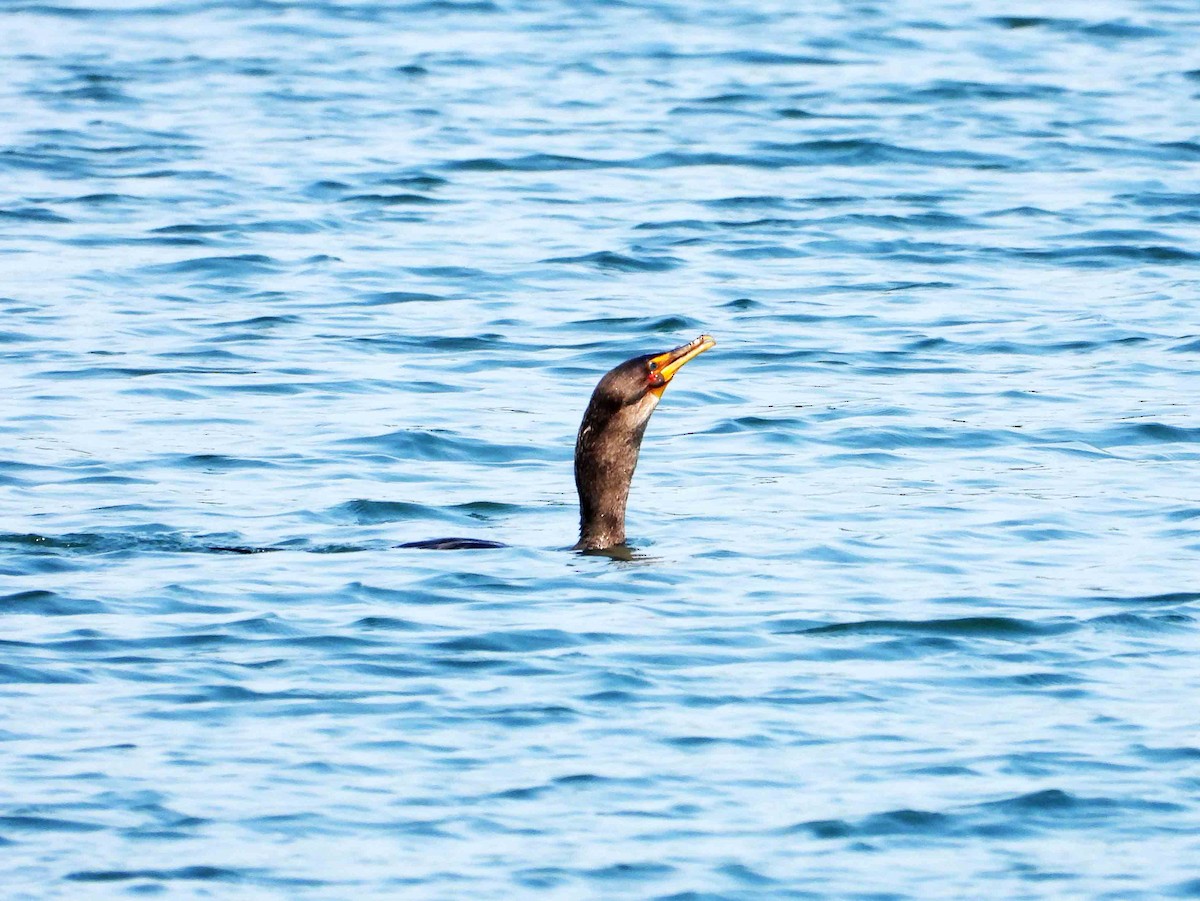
{"x":914,"y":614}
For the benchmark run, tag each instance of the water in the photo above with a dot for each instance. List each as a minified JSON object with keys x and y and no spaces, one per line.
{"x":915,"y":614}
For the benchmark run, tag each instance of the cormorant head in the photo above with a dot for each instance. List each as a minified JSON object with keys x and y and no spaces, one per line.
{"x":640,"y":382}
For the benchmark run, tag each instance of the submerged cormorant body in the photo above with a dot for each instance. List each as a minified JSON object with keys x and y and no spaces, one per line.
{"x":607,"y":447}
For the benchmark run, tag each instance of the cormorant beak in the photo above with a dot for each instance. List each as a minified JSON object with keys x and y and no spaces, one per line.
{"x":672,"y":361}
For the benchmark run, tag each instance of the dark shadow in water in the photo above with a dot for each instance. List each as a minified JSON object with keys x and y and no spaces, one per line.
{"x":622,"y":553}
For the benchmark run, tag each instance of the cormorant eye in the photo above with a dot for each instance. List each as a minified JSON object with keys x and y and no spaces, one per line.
{"x":653,"y":366}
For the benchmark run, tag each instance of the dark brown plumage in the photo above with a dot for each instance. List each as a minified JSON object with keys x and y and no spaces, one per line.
{"x":610,"y":439}
{"x":607,"y":447}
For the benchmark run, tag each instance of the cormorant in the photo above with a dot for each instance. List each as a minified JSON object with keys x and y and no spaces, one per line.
{"x":607,"y":447}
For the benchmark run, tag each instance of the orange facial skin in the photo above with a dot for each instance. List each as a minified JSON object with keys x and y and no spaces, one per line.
{"x":662,"y":369}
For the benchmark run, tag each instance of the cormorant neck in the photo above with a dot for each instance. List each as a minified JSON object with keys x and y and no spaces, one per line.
{"x":606,"y":454}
